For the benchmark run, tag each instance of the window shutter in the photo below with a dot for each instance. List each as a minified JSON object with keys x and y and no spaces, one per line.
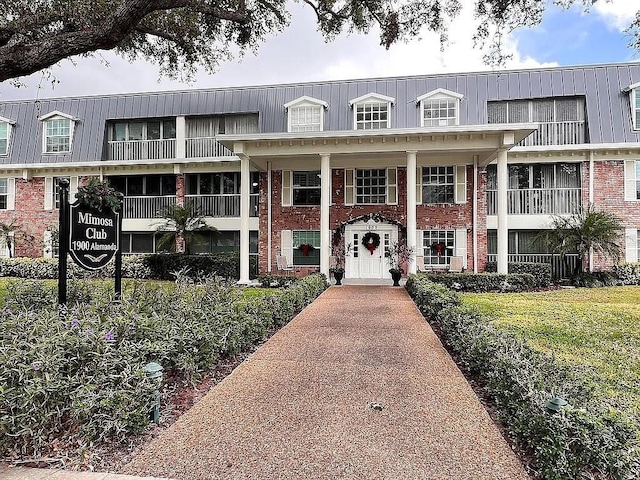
{"x":11,"y":193}
{"x":286,"y":188}
{"x":48,"y":193}
{"x":631,"y":245}
{"x":348,"y":186}
{"x":419,"y":244}
{"x":286,"y":245}
{"x":461,"y":245}
{"x":392,"y":186}
{"x":48,"y":245}
{"x":630,"y":180}
{"x":461,"y":184}
{"x":418,"y":185}
{"x":73,"y":189}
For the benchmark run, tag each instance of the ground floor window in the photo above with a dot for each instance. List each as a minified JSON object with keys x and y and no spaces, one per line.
{"x":438,"y":246}
{"x":143,"y":242}
{"x":521,"y":242}
{"x":306,"y":247}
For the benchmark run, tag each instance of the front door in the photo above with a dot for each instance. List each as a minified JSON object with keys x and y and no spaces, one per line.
{"x":367,"y":260}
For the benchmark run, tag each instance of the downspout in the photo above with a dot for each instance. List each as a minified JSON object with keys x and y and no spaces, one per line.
{"x":269,"y":217}
{"x":591,"y":195}
{"x":475,"y":214}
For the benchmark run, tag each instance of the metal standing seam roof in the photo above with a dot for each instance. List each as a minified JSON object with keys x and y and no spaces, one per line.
{"x":607,"y":105}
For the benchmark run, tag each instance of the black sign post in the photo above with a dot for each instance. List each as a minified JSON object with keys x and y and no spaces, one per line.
{"x":63,"y":234}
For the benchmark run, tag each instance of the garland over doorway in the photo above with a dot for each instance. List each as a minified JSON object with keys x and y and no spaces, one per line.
{"x":377,"y":217}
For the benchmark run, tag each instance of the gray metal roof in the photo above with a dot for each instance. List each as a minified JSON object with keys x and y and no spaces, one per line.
{"x":608,"y":110}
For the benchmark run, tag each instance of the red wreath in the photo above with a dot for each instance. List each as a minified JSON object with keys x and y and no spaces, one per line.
{"x":305,"y":248}
{"x":438,"y":248}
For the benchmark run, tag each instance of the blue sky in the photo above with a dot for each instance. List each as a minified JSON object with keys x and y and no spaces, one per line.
{"x":299,"y":54}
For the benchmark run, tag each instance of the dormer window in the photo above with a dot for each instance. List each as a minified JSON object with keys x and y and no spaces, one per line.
{"x":371,"y":111}
{"x":439,"y":108}
{"x":305,"y":114}
{"x":57,"y":133}
{"x":634,"y":100}
{"x":5,"y":135}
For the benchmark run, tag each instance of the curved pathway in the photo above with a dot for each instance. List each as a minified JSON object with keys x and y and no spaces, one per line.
{"x":357,"y":386}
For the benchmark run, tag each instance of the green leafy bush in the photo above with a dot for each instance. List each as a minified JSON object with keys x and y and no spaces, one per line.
{"x":279,"y":281}
{"x":627,"y":273}
{"x":483,"y":282}
{"x":542,"y":274}
{"x":588,"y":439}
{"x":595,"y":279}
{"x":78,"y":373}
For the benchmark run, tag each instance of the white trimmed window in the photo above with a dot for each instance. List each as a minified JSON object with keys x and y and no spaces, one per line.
{"x":5,"y":135}
{"x":305,"y":114}
{"x":52,"y":193}
{"x":632,"y":180}
{"x":371,"y":186}
{"x":443,"y":184}
{"x":634,"y":101}
{"x":438,"y":246}
{"x":440,"y":108}
{"x":306,"y":247}
{"x":371,"y":112}
{"x":306,"y":188}
{"x":7,"y":193}
{"x":57,"y":134}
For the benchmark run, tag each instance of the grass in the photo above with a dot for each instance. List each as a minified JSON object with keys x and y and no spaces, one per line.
{"x":596,"y":330}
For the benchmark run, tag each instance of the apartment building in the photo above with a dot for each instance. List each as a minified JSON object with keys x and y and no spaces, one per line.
{"x":468,"y":165}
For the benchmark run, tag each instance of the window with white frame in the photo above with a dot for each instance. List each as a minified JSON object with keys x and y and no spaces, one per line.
{"x":438,"y":246}
{"x":5,"y":136}
{"x":439,"y":108}
{"x":371,"y":186}
{"x":306,"y":188}
{"x":57,"y":133}
{"x":635,"y":109}
{"x":56,"y":191}
{"x":438,"y":185}
{"x":372,"y":112}
{"x":305,"y":114}
{"x":632,"y":180}
{"x":306,"y":247}
{"x":4,"y":193}
{"x":143,"y":130}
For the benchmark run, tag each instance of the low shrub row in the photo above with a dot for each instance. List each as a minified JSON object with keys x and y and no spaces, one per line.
{"x":588,"y":439}
{"x":156,"y":266}
{"x":542,"y":276}
{"x":78,"y":374}
{"x":483,"y":282}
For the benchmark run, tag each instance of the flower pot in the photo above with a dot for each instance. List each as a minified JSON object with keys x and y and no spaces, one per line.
{"x":396,"y":275}
{"x":338,"y":276}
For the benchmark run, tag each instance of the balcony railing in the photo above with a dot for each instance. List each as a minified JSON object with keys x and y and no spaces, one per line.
{"x":146,"y":207}
{"x":142,"y":149}
{"x":559,"y":268}
{"x":537,"y":201}
{"x":224,"y":205}
{"x":206,"y":147}
{"x":556,"y":133}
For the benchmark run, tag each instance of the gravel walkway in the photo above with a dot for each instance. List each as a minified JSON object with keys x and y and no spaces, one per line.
{"x":301,"y":406}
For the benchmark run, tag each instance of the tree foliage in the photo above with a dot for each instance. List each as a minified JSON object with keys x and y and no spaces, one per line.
{"x":8,"y":232}
{"x":183,"y":226}
{"x":588,"y":230}
{"x":180,"y":35}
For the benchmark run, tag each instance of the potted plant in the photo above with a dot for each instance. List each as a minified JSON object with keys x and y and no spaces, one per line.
{"x":339,"y":252}
{"x":399,"y":254}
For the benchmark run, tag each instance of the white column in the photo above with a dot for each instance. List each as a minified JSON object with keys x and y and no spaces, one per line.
{"x":325,"y":202}
{"x":181,"y":134}
{"x":269,"y":227}
{"x":503,"y":228}
{"x":245,"y":188}
{"x":411,"y":205}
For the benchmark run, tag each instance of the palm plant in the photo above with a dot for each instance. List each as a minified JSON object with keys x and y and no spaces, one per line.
{"x":585,"y":231}
{"x":183,"y":226}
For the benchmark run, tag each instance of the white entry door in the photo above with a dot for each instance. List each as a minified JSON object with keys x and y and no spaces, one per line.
{"x":369,"y":262}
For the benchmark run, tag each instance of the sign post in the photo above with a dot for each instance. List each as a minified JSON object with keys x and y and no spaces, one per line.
{"x":63,"y":246}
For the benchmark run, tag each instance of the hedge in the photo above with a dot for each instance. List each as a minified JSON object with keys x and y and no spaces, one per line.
{"x":588,"y":439}
{"x":542,"y":275}
{"x":483,"y":282}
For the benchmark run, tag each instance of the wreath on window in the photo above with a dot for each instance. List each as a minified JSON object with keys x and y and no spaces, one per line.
{"x":306,"y":249}
{"x":371,"y":241}
{"x":438,"y":248}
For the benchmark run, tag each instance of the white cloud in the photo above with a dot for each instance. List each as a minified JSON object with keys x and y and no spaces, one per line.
{"x":616,"y":13}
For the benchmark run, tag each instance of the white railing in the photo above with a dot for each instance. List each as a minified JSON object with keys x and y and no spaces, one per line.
{"x":223,"y":205}
{"x":146,"y":207}
{"x":537,"y":201}
{"x":206,"y":147}
{"x":556,"y":133}
{"x":142,"y":149}
{"x":560,"y":268}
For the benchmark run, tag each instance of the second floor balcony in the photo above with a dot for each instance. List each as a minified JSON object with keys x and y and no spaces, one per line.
{"x":557,"y":133}
{"x":537,"y":201}
{"x":140,"y":207}
{"x":142,"y":149}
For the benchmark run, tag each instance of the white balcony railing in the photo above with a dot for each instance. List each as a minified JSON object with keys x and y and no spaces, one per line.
{"x":537,"y":201}
{"x":146,"y":207}
{"x":560,"y":267}
{"x":142,"y":149}
{"x":556,"y":133}
{"x":224,"y":205}
{"x":206,"y":147}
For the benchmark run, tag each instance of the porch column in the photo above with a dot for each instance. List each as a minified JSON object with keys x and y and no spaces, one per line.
{"x":503,"y":228}
{"x":245,"y":188}
{"x":325,"y":202}
{"x":411,"y":206}
{"x":181,"y":137}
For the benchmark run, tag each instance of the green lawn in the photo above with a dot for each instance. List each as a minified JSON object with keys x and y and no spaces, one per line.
{"x":597,"y":329}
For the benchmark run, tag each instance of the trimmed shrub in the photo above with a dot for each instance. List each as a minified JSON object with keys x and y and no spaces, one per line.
{"x":542,"y":276}
{"x":588,"y":439}
{"x":78,"y":373}
{"x":483,"y":282}
{"x":627,"y":273}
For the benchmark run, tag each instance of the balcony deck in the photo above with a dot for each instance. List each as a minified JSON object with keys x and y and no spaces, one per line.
{"x":537,"y":201}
